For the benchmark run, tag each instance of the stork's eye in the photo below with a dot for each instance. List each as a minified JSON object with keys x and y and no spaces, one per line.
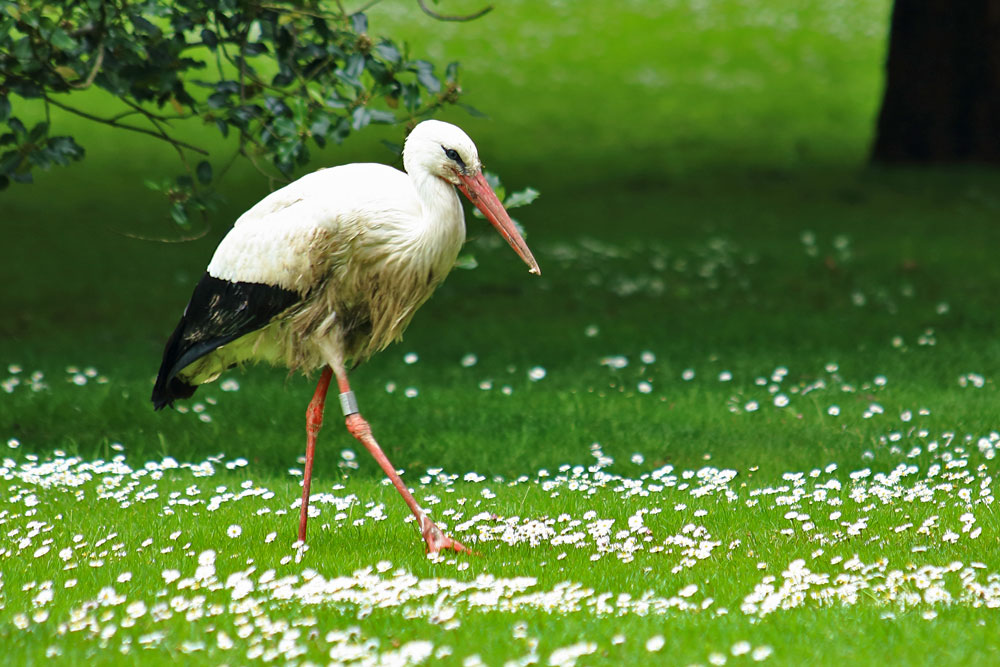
{"x":453,"y":155}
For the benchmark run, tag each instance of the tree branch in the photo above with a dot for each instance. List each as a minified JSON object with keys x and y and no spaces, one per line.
{"x":163,"y":239}
{"x":137,"y":109}
{"x":134,"y":128}
{"x":98,"y":61}
{"x":304,"y":11}
{"x":454,"y":17}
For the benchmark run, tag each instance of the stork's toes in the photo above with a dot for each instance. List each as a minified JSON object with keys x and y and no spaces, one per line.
{"x":436,"y":540}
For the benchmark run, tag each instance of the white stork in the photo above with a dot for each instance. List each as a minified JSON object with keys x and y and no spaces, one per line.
{"x":327,"y":271}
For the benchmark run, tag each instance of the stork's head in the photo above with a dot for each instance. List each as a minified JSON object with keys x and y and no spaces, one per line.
{"x":443,"y":150}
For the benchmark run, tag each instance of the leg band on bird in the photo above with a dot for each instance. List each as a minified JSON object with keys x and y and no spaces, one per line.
{"x":348,"y":403}
{"x":362,"y":432}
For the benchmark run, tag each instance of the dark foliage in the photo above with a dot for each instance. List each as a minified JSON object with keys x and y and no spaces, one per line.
{"x":281,"y":76}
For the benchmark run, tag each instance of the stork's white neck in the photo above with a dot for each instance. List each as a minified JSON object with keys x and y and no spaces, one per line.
{"x":443,"y":230}
{"x":437,"y":196}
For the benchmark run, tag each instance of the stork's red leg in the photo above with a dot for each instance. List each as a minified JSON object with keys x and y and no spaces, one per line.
{"x":314,"y":420}
{"x":359,"y":428}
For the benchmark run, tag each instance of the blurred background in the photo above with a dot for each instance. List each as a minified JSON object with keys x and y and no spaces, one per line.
{"x":581,"y":99}
{"x":707,"y":195}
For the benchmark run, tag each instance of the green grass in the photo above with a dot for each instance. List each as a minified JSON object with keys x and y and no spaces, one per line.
{"x":683,"y":232}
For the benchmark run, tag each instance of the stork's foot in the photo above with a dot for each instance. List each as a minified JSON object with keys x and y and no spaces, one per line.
{"x":436,"y":540}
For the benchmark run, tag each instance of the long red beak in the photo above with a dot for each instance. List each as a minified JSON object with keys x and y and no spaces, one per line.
{"x":479,"y":193}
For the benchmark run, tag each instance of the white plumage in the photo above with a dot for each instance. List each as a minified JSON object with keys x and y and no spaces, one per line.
{"x":371,"y":205}
{"x":329,"y":270}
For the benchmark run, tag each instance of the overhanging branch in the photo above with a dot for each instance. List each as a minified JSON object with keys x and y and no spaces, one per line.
{"x":162,"y":136}
{"x":454,"y":17}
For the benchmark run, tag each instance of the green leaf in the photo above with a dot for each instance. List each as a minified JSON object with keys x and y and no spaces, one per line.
{"x":388,"y":51}
{"x":62,"y":150}
{"x":395,"y":148}
{"x":209,"y":38}
{"x":9,"y":161}
{"x":204,"y":171}
{"x":18,"y":127}
{"x":319,"y":129}
{"x":520,"y":228}
{"x":23,"y":51}
{"x":425,"y":75}
{"x":284,"y":127}
{"x":359,"y":22}
{"x":38,"y":132}
{"x":335,"y":102}
{"x":61,"y":40}
{"x":39,"y":158}
{"x":217,"y":100}
{"x":179,"y":214}
{"x":521,"y":198}
{"x":495,"y":183}
{"x":355,"y":66}
{"x":33,"y":17}
{"x":144,"y":27}
{"x":276,"y":106}
{"x":411,"y":96}
{"x":360,"y":118}
{"x":386,"y":117}
{"x":342,"y":130}
{"x":466,"y":261}
{"x":255,"y":48}
{"x":472,"y":111}
{"x":4,"y":108}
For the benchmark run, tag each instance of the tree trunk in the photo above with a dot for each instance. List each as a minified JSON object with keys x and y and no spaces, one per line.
{"x":942,"y":92}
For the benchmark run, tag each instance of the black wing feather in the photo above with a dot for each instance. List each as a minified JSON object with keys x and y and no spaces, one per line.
{"x":219,"y":312}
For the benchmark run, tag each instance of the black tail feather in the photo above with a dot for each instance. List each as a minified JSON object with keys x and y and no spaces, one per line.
{"x":219,"y":312}
{"x":168,"y":386}
{"x":168,"y":393}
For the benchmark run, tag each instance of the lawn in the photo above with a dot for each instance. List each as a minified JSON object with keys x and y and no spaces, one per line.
{"x":747,"y":413}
